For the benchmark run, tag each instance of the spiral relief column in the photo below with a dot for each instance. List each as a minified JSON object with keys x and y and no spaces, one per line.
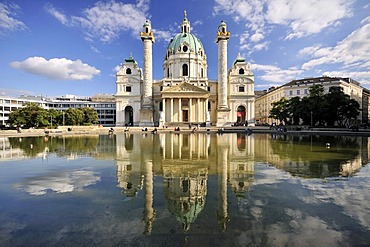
{"x":146,"y":112}
{"x":223,"y":110}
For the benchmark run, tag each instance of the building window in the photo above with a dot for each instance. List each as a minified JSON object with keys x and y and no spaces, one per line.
{"x":185,"y":69}
{"x":305,"y":91}
{"x":184,"y":48}
{"x":209,"y":106}
{"x":209,"y":89}
{"x":241,"y":88}
{"x":241,"y":71}
{"x":128,"y":71}
{"x":290,"y":92}
{"x":298,"y":92}
{"x":161,"y":88}
{"x":128,"y":88}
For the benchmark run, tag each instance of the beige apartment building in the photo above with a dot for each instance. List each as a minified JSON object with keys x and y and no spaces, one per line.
{"x":300,"y":88}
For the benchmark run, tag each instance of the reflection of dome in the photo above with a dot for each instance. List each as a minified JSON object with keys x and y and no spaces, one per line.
{"x":129,"y":179}
{"x":186,"y":210}
{"x":241,"y":177}
{"x":185,"y":191}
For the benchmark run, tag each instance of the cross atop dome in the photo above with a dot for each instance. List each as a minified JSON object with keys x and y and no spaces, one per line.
{"x":185,"y":26}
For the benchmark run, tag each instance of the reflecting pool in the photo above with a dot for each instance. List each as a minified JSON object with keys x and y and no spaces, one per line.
{"x":193,"y":189}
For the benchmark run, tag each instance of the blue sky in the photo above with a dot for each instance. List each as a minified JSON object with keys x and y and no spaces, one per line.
{"x":57,"y":47}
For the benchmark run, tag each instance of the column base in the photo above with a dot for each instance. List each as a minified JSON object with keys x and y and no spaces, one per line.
{"x":223,"y":117}
{"x":146,"y":118}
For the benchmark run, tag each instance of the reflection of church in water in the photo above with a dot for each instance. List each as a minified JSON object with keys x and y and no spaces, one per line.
{"x":185,"y":162}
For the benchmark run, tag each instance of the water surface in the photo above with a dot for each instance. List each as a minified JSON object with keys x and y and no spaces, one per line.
{"x":184,"y":190}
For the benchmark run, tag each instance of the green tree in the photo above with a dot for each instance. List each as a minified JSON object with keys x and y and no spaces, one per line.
{"x":31,"y":115}
{"x":279,"y":110}
{"x":74,"y":116}
{"x":90,"y":116}
{"x":294,"y":109}
{"x":316,"y":105}
{"x":55,"y":117}
{"x":351,"y":110}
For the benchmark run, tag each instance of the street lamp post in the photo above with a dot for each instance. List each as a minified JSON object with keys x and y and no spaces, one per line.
{"x":311,"y":120}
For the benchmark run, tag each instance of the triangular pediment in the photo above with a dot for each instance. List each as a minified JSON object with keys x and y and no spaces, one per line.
{"x":185,"y":88}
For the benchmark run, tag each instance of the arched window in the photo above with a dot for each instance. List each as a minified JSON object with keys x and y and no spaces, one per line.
{"x":224,"y":30}
{"x":147,"y":30}
{"x":185,"y":70}
{"x":184,"y":48}
{"x":128,"y":71}
{"x":241,"y":71}
{"x":168,"y":72}
{"x":201,"y":72}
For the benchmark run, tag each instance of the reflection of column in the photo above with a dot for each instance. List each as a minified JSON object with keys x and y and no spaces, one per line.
{"x":222,"y":162}
{"x":149,"y":212}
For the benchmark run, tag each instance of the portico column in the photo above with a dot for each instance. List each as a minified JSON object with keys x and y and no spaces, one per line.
{"x":164,"y":110}
{"x":198,"y":110}
{"x":171,"y":110}
{"x":179,"y":120}
{"x":190,"y":111}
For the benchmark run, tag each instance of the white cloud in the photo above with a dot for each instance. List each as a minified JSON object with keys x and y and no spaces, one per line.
{"x":162,"y":35}
{"x":307,"y":17}
{"x":57,"y":68}
{"x":107,"y":20}
{"x":257,"y":37}
{"x":352,"y":53}
{"x":301,"y":18}
{"x":94,"y":49}
{"x":276,"y":74}
{"x":59,"y":182}
{"x":261,"y":46}
{"x":7,"y":20}
{"x":57,"y":14}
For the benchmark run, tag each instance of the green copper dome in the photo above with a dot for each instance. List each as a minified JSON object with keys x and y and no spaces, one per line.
{"x":185,"y":39}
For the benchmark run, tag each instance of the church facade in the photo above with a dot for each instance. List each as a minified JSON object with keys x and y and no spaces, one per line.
{"x":185,"y":95}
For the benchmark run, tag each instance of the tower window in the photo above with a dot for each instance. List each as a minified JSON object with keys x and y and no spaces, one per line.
{"x":128,"y":71}
{"x":241,"y":88}
{"x":185,"y":70}
{"x":128,"y":88}
{"x":147,"y":30}
{"x":241,"y":72}
{"x":184,"y":48}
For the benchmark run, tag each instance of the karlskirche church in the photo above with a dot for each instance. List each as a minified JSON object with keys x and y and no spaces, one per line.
{"x":185,"y":95}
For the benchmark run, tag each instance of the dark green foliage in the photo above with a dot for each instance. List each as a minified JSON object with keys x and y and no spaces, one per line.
{"x":33,"y":115}
{"x":333,"y":108}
